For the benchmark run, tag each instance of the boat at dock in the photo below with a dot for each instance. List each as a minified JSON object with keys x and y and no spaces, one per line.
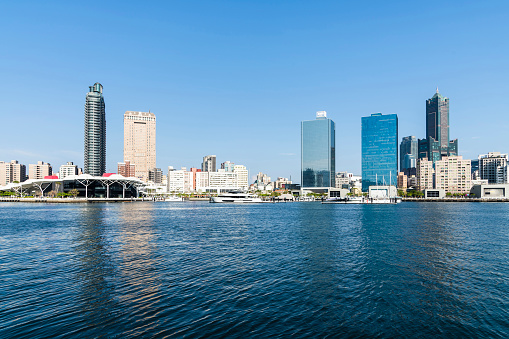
{"x":236,"y":197}
{"x":362,"y":200}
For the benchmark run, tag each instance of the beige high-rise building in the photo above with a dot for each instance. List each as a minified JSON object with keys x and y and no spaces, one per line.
{"x":453,"y":174}
{"x":140,"y":141}
{"x":11,"y":172}
{"x":39,"y":170}
{"x":425,"y":173}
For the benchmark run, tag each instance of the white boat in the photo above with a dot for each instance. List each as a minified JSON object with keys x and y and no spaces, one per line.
{"x":174,"y":198}
{"x":362,"y":200}
{"x":236,"y":197}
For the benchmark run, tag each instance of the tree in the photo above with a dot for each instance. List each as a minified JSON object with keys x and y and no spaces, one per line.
{"x":74,"y":192}
{"x":52,"y":194}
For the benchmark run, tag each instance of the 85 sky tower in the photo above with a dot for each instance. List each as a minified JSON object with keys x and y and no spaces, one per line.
{"x":95,"y":132}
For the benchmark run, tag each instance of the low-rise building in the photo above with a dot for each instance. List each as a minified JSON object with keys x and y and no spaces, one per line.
{"x":491,"y":191}
{"x":402,"y":181}
{"x":68,"y":169}
{"x":126,"y":169}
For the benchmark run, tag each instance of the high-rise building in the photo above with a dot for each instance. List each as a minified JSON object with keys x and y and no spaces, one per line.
{"x":140,"y":141}
{"x":452,"y":174}
{"x":126,"y":169}
{"x":39,"y":170}
{"x":318,"y":152}
{"x":408,"y":152}
{"x":209,"y":163}
{"x":67,"y":170}
{"x":11,"y":172}
{"x":379,"y":150}
{"x":437,"y":144}
{"x":493,"y":167}
{"x":95,"y":132}
{"x":425,"y":174}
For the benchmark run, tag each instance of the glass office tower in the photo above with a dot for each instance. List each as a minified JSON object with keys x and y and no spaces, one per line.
{"x":437,"y":143}
{"x":318,"y":152}
{"x":407,"y":152}
{"x":95,"y":132}
{"x":379,"y":150}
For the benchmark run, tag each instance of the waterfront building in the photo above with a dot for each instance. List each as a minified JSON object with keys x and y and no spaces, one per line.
{"x":475,"y":169}
{"x":437,"y":144}
{"x":140,"y":141}
{"x":402,"y":181}
{"x":95,"y":132}
{"x":68,"y":169}
{"x":242,"y":176}
{"x":493,"y":191}
{"x":342,"y":180}
{"x":179,"y":180}
{"x":155,"y":175}
{"x":379,"y":150}
{"x":209,"y":163}
{"x":201,"y":181}
{"x":425,"y":174}
{"x":126,"y":169}
{"x":282,"y":183}
{"x":39,"y":170}
{"x":194,"y":170}
{"x":493,"y":167}
{"x":11,"y":172}
{"x":452,"y":174}
{"x":222,"y":180}
{"x":318,"y":152}
{"x":227,"y":166}
{"x":408,"y":152}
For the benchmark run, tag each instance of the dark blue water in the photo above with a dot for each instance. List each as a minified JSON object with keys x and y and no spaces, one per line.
{"x":295,"y":270}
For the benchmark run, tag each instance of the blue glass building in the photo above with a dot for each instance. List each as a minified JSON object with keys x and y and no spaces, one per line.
{"x":379,"y":150}
{"x":318,"y":152}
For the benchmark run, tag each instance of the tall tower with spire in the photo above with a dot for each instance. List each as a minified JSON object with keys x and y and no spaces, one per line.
{"x":437,"y":144}
{"x":95,"y":132}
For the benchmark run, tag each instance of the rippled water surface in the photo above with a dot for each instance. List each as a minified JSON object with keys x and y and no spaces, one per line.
{"x":270,"y":270}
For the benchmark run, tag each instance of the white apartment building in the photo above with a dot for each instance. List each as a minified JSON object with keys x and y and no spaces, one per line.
{"x":39,"y":170}
{"x":280,"y":182}
{"x":223,"y":180}
{"x":493,"y":167}
{"x":452,"y":174}
{"x":242,"y":176}
{"x":140,"y":141}
{"x":179,"y":181}
{"x":67,"y":170}
{"x":425,"y":174}
{"x":12,"y":171}
{"x":262,"y":178}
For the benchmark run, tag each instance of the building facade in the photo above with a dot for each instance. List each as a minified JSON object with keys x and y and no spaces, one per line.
{"x":155,"y":175}
{"x":242,"y":176}
{"x":140,"y":141}
{"x":95,"y":132}
{"x":318,"y":152}
{"x":227,"y":166}
{"x":425,"y":174}
{"x":39,"y":170}
{"x":67,"y":170}
{"x":408,"y":151}
{"x":209,"y":163}
{"x":437,"y":144}
{"x":11,"y":172}
{"x":493,"y":167}
{"x":126,"y":169}
{"x":379,"y":150}
{"x":452,"y":174}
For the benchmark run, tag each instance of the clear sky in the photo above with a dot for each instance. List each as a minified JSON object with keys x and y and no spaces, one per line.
{"x":236,"y":78}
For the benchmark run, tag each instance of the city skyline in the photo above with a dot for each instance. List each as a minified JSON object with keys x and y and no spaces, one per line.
{"x":214,"y":81}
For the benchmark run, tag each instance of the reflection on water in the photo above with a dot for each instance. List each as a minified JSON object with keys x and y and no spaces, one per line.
{"x":95,"y":271}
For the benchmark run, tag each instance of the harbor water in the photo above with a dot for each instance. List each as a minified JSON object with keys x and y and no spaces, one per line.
{"x":299,"y":270}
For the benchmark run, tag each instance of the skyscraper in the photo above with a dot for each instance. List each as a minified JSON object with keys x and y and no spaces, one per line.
{"x":95,"y":132}
{"x":318,"y":152}
{"x":437,"y":144}
{"x":209,"y":163}
{"x":407,"y":153}
{"x":379,"y":150}
{"x":140,"y":141}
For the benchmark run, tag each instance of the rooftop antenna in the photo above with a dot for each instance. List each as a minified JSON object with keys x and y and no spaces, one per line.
{"x":437,"y":89}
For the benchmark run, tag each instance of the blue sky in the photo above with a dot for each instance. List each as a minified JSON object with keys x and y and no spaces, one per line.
{"x":235,"y":78}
